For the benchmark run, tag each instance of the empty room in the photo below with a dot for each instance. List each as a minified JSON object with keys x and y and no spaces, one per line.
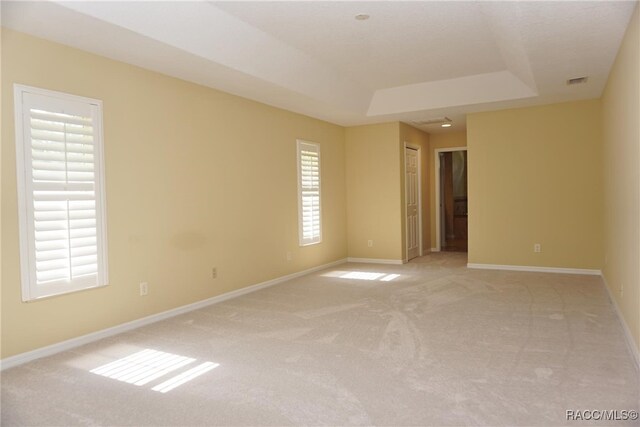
{"x":284,"y":213}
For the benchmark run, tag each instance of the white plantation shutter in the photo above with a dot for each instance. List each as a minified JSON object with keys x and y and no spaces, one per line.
{"x":61,"y":195}
{"x":309,"y":208}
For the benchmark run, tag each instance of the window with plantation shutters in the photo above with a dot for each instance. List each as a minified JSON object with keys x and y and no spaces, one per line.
{"x":309,"y":207}
{"x":60,"y":192}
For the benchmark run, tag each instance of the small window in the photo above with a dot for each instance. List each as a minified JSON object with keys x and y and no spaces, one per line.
{"x":309,"y":207}
{"x":61,"y":205}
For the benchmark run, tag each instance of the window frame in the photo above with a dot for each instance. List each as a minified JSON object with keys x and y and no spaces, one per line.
{"x":26,"y":227}
{"x":301,"y":240}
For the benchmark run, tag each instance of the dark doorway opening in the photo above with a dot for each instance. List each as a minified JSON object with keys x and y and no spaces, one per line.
{"x":453,"y":201}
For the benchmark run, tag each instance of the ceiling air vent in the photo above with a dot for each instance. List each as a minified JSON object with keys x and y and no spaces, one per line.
{"x":577,"y":80}
{"x":429,"y":122}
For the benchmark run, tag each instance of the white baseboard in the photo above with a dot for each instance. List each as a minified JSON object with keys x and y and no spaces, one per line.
{"x":19,"y":359}
{"x":586,"y":271}
{"x":631,"y":344}
{"x":434,"y":250}
{"x":376,"y":260}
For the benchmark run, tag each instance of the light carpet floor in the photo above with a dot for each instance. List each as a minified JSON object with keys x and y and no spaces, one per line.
{"x":439,"y":344}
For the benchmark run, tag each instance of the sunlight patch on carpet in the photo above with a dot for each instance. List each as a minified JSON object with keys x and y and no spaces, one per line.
{"x":145,"y":366}
{"x":184,"y":377}
{"x":363,"y":275}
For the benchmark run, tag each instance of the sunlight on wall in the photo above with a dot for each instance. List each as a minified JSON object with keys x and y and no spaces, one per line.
{"x":147,"y":365}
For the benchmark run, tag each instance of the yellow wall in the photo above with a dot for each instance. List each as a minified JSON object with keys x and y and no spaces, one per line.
{"x":436,"y":141}
{"x":375,"y":189}
{"x":418,"y":139}
{"x":374,"y":196}
{"x":621,"y":131}
{"x":535,"y":177}
{"x":195,"y":178}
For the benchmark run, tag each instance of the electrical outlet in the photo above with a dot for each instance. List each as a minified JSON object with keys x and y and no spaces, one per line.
{"x":289,"y":256}
{"x":214,"y":273}
{"x":370,"y":243}
{"x":144,"y":289}
{"x":537,"y":248}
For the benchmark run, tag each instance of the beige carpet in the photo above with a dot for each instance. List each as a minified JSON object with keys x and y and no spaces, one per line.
{"x":427,"y":343}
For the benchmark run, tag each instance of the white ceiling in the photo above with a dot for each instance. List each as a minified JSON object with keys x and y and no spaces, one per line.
{"x":411,"y":61}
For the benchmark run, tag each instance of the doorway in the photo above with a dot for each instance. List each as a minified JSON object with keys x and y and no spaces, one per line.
{"x":451,"y":200}
{"x":413,"y":202}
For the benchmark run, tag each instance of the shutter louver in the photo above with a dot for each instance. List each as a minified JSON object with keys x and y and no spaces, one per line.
{"x":63,"y":173}
{"x":309,"y":189}
{"x":61,"y":154}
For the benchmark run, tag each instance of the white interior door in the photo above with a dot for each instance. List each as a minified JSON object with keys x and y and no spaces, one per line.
{"x":412,"y":200}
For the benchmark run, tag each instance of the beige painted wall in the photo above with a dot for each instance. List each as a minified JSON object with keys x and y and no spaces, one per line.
{"x":374,"y":199}
{"x":535,"y":177}
{"x":621,"y":154}
{"x":416,"y":138}
{"x":195,"y":178}
{"x":436,"y":141}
